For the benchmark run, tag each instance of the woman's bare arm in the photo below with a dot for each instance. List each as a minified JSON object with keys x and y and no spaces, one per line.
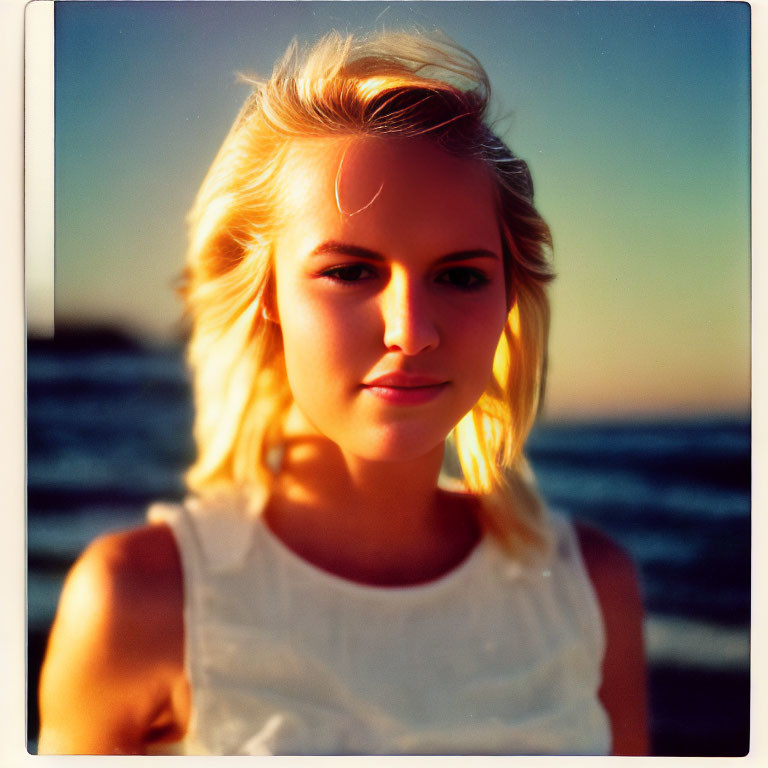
{"x":112,"y":680}
{"x":624,"y":689}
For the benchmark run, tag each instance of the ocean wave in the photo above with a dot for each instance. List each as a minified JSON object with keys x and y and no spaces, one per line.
{"x":685,"y":642}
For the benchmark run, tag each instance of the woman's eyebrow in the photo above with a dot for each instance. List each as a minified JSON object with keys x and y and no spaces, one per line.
{"x":357,"y":251}
{"x":345,"y":249}
{"x":474,"y":253}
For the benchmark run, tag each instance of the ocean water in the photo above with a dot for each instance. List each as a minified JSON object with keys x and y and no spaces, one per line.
{"x":109,"y":431}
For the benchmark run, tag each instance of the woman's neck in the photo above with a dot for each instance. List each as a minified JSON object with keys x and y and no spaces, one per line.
{"x":383,"y":523}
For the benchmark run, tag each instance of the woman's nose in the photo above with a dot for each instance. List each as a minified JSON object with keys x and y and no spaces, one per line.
{"x":409,"y":321}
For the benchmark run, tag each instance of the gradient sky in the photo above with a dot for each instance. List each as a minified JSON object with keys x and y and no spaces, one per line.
{"x":634,"y":119}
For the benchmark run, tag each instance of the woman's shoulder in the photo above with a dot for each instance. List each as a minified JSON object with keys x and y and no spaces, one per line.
{"x":623,"y":690}
{"x":612,"y":573}
{"x":610,"y":567}
{"x":115,"y":653}
{"x":130,"y":571}
{"x":132,"y":577}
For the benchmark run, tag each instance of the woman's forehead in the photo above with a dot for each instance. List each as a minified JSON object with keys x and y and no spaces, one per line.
{"x":365,"y":178}
{"x":386,"y":194}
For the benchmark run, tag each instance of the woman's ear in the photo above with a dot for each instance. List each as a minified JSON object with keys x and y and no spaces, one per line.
{"x":269,"y":303}
{"x":269,"y":314}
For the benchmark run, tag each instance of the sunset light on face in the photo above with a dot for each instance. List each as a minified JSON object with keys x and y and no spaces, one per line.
{"x":389,"y":331}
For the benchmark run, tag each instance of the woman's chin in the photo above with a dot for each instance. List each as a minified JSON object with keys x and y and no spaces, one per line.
{"x":397,"y":446}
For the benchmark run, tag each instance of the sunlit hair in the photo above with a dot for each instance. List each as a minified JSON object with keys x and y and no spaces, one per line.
{"x":390,"y":85}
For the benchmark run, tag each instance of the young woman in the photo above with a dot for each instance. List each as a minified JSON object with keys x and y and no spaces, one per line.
{"x":366,"y":278}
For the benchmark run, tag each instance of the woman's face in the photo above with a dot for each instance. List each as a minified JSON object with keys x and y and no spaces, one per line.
{"x":390,"y":291}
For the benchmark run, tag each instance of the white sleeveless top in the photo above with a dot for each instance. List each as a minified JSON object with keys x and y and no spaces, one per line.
{"x":285,"y":658}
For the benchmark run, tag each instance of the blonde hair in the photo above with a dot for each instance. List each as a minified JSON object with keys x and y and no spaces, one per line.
{"x":403,"y":85}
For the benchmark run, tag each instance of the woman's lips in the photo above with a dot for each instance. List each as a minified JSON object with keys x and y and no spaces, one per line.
{"x":400,"y":388}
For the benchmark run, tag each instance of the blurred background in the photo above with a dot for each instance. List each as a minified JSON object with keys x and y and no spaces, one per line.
{"x":634,"y":119}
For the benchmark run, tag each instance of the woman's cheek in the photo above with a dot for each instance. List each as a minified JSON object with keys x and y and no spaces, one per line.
{"x":322,"y":348}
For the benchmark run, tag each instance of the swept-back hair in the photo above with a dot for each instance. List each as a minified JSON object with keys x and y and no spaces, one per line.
{"x":390,"y":85}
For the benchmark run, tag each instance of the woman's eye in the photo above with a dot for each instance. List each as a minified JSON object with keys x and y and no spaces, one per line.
{"x":464,"y":278}
{"x":350,"y":273}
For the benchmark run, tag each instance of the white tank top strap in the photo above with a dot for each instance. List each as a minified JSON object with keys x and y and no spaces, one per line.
{"x":217,"y":531}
